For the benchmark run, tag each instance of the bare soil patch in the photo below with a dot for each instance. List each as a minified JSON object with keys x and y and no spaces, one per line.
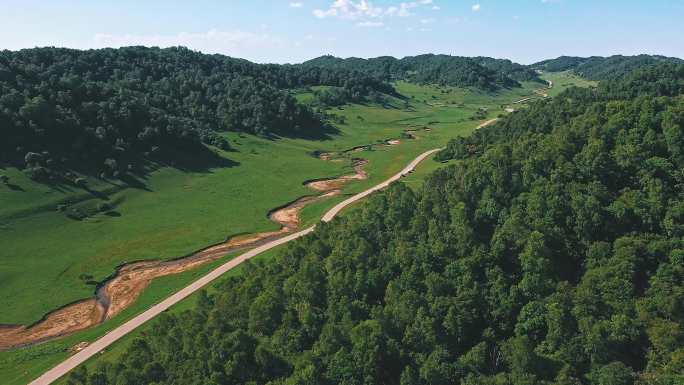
{"x":130,"y":280}
{"x":69,"y":319}
{"x":487,"y":123}
{"x":337,"y":183}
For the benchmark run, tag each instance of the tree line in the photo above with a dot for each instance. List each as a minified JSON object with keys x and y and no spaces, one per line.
{"x":103,"y":111}
{"x":480,"y":72}
{"x":550,"y":252}
{"x":601,"y":68}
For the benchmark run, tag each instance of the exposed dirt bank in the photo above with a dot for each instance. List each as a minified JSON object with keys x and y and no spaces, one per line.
{"x":487,"y":123}
{"x":130,"y":280}
{"x":71,"y":318}
{"x":329,"y":184}
{"x":119,"y":332}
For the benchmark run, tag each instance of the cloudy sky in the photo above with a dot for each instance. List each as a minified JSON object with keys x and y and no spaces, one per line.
{"x":292,"y":31}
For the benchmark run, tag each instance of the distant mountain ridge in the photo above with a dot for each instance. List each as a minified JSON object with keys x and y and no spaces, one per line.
{"x":109,"y":110}
{"x":602,"y":68}
{"x":480,"y":72}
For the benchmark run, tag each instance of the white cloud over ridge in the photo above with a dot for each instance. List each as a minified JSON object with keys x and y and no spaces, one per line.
{"x":476,"y":7}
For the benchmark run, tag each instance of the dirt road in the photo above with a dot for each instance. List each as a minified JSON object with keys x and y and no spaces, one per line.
{"x":487,"y":123}
{"x":130,"y":280}
{"x":72,"y":362}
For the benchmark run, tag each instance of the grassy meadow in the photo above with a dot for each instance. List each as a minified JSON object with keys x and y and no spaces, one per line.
{"x":563,"y":80}
{"x":48,"y":259}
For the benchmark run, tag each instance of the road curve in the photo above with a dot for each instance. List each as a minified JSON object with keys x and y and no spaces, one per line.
{"x":410,"y":167}
{"x":72,"y":362}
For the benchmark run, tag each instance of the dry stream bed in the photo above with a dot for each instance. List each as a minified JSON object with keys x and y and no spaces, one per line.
{"x":129,"y":281}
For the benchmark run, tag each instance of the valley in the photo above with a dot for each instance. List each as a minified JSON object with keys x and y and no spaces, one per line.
{"x":382,"y":138}
{"x":170,"y":216}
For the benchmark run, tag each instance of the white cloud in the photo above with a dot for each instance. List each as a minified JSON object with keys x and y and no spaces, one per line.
{"x":476,"y":7}
{"x":321,"y":14}
{"x":364,"y":9}
{"x":370,"y":24}
{"x":404,"y":8}
{"x":348,"y":9}
{"x":436,"y":7}
{"x":427,"y":21}
{"x":296,"y":4}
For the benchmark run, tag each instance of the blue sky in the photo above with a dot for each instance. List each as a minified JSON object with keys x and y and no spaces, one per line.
{"x":295,"y":30}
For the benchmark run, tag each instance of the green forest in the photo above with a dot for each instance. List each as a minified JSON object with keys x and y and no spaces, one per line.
{"x":601,"y":68}
{"x":549,"y":252}
{"x":106,"y":112}
{"x":480,"y":72}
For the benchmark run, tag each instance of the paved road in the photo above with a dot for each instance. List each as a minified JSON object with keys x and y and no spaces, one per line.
{"x":111,"y":337}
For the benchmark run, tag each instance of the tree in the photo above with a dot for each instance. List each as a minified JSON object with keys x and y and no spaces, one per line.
{"x":615,"y":373}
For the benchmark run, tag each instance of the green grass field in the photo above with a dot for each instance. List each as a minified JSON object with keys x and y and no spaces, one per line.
{"x":178,"y":212}
{"x":566,"y":79}
{"x":47,"y":255}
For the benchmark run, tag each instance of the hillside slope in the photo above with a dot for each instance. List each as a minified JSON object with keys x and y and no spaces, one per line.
{"x":481,"y":72}
{"x":108,"y":112}
{"x":601,"y":68}
{"x":550,"y":253}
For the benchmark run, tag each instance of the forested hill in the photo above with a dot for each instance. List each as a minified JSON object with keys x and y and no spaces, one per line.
{"x":600,"y":68}
{"x":508,"y":69}
{"x":105,"y":110}
{"x":551,"y":252}
{"x":480,"y":72}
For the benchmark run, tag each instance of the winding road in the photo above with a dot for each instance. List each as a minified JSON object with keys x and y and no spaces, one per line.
{"x":72,"y":362}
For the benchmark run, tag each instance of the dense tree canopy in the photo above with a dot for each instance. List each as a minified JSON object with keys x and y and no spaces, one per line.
{"x":484,"y":73}
{"x":103,"y":109}
{"x":601,"y":68}
{"x":506,"y":68}
{"x":551,"y":252}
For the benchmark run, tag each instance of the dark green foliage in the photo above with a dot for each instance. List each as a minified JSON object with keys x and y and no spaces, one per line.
{"x":552,"y":253}
{"x":601,"y":68}
{"x":506,"y":68}
{"x":559,"y":64}
{"x":100,"y":110}
{"x":480,"y":114}
{"x":484,"y":73}
{"x":351,"y":92}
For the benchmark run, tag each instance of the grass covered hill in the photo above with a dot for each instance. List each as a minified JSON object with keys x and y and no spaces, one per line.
{"x":481,"y":72}
{"x":600,"y":68}
{"x":106,"y":111}
{"x":551,"y":252}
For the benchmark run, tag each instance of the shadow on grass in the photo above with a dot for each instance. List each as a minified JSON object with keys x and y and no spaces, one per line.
{"x":198,"y":158}
{"x":322,"y":132}
{"x":14,"y":187}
